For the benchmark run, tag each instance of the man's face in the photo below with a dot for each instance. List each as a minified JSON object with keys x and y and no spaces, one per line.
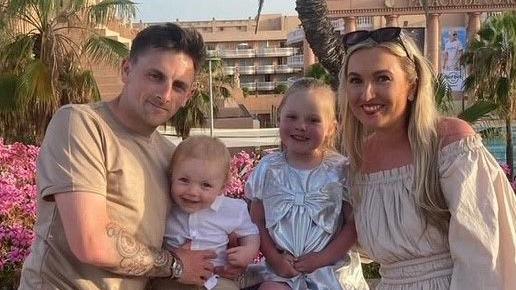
{"x":156,"y":84}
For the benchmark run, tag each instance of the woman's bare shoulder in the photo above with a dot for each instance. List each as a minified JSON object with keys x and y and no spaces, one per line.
{"x":453,"y":129}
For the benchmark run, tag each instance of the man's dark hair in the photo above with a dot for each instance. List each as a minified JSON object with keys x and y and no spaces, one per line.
{"x":170,"y":36}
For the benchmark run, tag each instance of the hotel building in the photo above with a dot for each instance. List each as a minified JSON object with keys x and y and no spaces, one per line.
{"x":261,"y":63}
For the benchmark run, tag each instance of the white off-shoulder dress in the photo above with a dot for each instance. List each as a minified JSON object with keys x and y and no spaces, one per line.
{"x":479,"y":249}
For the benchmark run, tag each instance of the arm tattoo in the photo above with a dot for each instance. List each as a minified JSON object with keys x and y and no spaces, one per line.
{"x":137,"y":259}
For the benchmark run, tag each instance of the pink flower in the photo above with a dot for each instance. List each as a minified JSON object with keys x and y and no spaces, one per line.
{"x":17,"y":202}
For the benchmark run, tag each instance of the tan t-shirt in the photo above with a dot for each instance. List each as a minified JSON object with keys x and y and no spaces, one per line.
{"x":86,"y":149}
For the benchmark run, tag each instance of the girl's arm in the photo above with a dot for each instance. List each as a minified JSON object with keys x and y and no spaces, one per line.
{"x":335,"y":251}
{"x":279,"y":263}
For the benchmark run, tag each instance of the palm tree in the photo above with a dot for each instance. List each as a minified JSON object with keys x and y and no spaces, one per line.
{"x":197,"y":109}
{"x":317,"y":71}
{"x":42,"y":46}
{"x":492,"y":70}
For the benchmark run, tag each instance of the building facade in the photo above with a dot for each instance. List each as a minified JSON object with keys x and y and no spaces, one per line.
{"x":441,"y":32}
{"x":260,"y":62}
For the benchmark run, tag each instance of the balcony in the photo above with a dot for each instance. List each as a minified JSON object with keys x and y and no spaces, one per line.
{"x":275,"y":51}
{"x":295,"y":36}
{"x":249,"y":86}
{"x":212,"y":53}
{"x":246,"y":70}
{"x":296,"y":61}
{"x":265,"y":86}
{"x":229,"y":70}
{"x":265,"y":69}
{"x":238,"y":53}
{"x":284,"y":69}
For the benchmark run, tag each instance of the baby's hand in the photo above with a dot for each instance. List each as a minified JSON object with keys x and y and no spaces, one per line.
{"x":240,"y":256}
{"x":283,"y":265}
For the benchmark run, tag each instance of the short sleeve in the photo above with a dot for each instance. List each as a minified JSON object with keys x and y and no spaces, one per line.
{"x":482,"y":204}
{"x":255,"y":183}
{"x":71,"y":157}
{"x":245,"y":227}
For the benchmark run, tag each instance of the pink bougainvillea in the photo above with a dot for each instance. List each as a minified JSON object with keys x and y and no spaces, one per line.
{"x":507,"y":170}
{"x":17,"y":203}
{"x":242,"y":164}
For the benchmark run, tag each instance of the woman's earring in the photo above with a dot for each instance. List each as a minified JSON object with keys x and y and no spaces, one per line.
{"x":411,"y":98}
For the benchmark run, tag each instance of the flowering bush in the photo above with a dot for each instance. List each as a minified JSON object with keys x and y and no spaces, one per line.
{"x":17,"y":206}
{"x":242,"y":164}
{"x":507,"y":170}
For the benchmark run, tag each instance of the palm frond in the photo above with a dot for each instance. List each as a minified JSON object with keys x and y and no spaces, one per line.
{"x":104,"y":49}
{"x":476,"y":111}
{"x":107,"y":10}
{"x":13,"y":54}
{"x":36,"y":88}
{"x":8,"y":92}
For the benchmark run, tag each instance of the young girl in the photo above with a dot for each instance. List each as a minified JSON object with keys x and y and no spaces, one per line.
{"x":298,"y":198}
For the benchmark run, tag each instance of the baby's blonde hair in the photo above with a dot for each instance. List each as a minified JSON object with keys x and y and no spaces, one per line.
{"x":328,"y":98}
{"x":422,"y":126}
{"x":202,"y":147}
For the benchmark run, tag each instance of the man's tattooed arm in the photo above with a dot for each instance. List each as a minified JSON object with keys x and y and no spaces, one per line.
{"x":137,"y":259}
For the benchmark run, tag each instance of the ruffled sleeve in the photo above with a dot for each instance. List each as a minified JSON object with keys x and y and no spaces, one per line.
{"x":482,"y":204}
{"x":255,"y":183}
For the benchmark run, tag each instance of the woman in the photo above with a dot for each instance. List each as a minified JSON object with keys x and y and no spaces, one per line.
{"x":432,"y":206}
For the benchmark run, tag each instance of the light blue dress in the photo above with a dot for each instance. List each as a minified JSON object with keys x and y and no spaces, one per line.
{"x":302,"y":215}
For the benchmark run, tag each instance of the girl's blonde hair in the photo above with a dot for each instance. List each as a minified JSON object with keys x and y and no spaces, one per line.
{"x":329,"y":100}
{"x":422,"y":127}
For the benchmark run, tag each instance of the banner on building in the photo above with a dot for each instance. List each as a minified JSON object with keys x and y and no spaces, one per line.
{"x":453,"y":44}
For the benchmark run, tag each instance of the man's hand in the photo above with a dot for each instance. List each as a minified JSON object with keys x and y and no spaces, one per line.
{"x":309,"y":263}
{"x":229,"y":272}
{"x":283,"y":265}
{"x":197,"y":265}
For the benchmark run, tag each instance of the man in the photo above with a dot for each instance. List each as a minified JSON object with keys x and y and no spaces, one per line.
{"x":453,"y":50}
{"x":102,"y":178}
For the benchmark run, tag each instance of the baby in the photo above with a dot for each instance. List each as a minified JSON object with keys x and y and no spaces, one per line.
{"x":201,"y":215}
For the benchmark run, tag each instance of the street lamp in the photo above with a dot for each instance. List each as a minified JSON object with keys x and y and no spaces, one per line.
{"x":210,"y":59}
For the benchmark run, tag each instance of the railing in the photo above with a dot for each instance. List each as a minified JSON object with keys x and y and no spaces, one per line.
{"x":265,"y":86}
{"x":284,"y":68}
{"x":238,"y":53}
{"x":249,"y":86}
{"x":265,"y":69}
{"x":212,"y":53}
{"x":365,"y":22}
{"x":229,"y":70}
{"x":246,"y":69}
{"x":276,"y":51}
{"x":295,"y":36}
{"x":295,"y":61}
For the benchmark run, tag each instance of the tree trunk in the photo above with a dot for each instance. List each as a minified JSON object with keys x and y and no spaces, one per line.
{"x":509,"y":149}
{"x":324,"y":41}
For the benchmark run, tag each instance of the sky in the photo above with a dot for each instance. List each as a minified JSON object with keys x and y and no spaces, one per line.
{"x":186,"y":10}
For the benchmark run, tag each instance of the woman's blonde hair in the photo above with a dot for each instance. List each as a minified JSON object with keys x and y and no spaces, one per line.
{"x":329,"y":101}
{"x":422,"y":127}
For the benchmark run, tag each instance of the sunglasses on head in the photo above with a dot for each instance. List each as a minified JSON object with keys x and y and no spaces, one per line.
{"x":385,"y":34}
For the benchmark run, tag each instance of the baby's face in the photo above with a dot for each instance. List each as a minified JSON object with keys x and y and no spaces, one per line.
{"x":195,"y":183}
